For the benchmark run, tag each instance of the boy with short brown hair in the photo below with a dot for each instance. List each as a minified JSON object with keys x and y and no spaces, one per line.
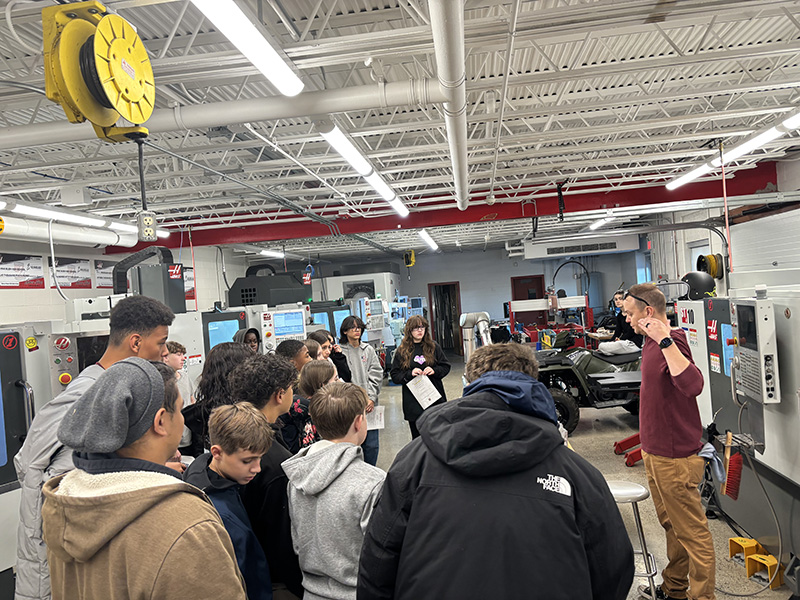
{"x":240,"y":435}
{"x":332,"y":493}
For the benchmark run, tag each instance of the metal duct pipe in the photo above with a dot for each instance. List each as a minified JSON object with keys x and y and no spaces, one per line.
{"x":447,"y":24}
{"x":217,"y":114}
{"x":36,"y":231}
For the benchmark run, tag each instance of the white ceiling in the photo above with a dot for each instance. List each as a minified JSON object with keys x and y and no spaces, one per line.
{"x":607,"y":94}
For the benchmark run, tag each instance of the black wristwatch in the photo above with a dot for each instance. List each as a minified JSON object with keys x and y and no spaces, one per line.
{"x":666,"y":343}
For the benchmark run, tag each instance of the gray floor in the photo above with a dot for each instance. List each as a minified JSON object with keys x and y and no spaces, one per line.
{"x":593,"y":439}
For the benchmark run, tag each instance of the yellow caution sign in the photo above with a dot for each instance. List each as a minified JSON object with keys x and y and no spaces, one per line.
{"x":2,"y":225}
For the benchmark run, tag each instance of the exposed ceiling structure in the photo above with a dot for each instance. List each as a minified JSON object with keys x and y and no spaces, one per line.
{"x":610,"y":98}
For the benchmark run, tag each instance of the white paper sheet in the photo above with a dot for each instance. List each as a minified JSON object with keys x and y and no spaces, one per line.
{"x":375,"y":418}
{"x":424,"y":391}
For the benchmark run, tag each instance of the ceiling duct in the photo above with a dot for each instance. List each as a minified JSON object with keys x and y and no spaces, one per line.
{"x":581,"y":247}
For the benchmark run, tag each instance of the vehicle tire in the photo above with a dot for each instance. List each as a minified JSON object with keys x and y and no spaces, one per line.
{"x":632,"y":407}
{"x":567,"y":409}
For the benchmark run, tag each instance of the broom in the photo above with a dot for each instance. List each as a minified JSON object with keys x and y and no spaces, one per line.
{"x":733,"y":470}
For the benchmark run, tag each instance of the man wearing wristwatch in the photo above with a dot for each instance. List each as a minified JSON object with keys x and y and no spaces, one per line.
{"x":670,"y":431}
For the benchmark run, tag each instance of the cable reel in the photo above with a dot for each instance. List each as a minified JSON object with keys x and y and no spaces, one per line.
{"x":97,"y":69}
{"x":713,"y":264}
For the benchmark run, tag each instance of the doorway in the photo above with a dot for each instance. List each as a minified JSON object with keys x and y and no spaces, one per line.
{"x":529,"y":288}
{"x":444,"y":300}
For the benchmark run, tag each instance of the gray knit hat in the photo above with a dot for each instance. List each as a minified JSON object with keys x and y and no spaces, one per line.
{"x":117,"y":410}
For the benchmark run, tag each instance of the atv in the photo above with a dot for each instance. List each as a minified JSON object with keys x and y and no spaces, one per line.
{"x":579,"y":377}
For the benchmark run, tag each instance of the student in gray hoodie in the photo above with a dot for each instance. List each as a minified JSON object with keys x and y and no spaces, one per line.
{"x":332,"y":493}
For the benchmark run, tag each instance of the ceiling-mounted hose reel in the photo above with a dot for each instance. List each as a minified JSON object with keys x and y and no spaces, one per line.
{"x":713,"y":264}
{"x":97,"y":69}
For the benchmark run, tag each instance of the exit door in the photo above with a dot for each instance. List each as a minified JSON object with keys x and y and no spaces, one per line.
{"x":529,"y":288}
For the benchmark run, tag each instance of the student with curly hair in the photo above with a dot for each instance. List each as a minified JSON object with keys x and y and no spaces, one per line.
{"x":418,"y":355}
{"x":266,"y":381}
{"x":212,"y":391}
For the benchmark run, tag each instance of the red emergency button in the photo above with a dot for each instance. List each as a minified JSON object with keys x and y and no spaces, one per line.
{"x":65,"y":378}
{"x":268,"y":334}
{"x":69,"y":359}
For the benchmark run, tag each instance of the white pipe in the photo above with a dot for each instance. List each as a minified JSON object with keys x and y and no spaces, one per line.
{"x":218,"y":114}
{"x":28,"y":230}
{"x":447,"y":24}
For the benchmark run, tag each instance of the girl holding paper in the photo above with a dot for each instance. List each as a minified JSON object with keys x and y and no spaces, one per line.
{"x":417,"y":356}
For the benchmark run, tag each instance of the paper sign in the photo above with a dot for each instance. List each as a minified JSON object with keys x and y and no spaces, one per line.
{"x":72,"y":273}
{"x":21,"y":272}
{"x":714,"y":362}
{"x":423,"y":390}
{"x":375,"y":418}
{"x":103,"y":272}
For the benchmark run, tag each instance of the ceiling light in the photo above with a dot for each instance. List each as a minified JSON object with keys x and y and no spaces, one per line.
{"x":792,"y":122}
{"x":428,"y":239}
{"x":342,"y":144}
{"x":2,"y":204}
{"x":399,"y":207}
{"x":748,"y":146}
{"x":57,"y":215}
{"x":124,"y":227}
{"x":271,"y":253}
{"x":229,"y":19}
{"x":601,"y":222}
{"x":380,"y":186}
{"x":690,"y":176}
{"x":162,"y":233}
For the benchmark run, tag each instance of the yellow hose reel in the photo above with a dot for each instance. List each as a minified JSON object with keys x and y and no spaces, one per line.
{"x":97,"y":69}
{"x":713,"y":264}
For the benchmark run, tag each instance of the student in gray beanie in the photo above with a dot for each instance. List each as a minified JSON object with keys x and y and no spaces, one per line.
{"x":121,"y":499}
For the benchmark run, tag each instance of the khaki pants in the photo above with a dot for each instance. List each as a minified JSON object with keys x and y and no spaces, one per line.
{"x":690,"y":549}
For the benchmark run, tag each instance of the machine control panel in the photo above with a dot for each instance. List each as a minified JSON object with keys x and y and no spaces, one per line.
{"x":755,"y":350}
{"x":63,"y":360}
{"x":280,"y":325}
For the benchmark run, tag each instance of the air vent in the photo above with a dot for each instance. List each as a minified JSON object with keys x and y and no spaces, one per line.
{"x":623,"y":243}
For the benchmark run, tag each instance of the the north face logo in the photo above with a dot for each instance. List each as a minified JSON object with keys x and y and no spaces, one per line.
{"x":555,"y":483}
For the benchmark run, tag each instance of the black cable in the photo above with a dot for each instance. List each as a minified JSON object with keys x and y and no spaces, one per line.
{"x":574,"y":262}
{"x":140,"y":143}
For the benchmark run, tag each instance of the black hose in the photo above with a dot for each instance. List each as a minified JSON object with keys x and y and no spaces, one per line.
{"x":574,"y":262}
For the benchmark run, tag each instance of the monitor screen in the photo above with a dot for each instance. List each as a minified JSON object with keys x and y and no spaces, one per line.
{"x":416,"y":302}
{"x":289,"y":323}
{"x":90,"y":349}
{"x":375,"y":307}
{"x":339,"y":315}
{"x":746,"y":318}
{"x":321,"y":318}
{"x":222,"y":331}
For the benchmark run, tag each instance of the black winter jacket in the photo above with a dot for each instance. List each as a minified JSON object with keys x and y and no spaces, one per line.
{"x":624,"y":331}
{"x":490,"y":503}
{"x":401,"y":376}
{"x":266,"y":501}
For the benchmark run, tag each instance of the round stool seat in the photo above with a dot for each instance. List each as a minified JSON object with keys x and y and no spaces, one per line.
{"x":625,"y":492}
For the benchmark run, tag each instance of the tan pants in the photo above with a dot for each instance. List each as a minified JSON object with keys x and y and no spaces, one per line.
{"x":690,"y":549}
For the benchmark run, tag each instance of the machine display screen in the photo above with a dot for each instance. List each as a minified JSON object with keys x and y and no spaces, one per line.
{"x":416,"y":303}
{"x":746,"y":320}
{"x":3,"y":449}
{"x":90,"y":350}
{"x":321,"y":319}
{"x":339,"y":316}
{"x":375,"y":307}
{"x":222,"y":331}
{"x":289,"y":323}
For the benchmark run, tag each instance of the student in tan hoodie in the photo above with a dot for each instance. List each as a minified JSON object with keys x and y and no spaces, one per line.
{"x":122,"y":525}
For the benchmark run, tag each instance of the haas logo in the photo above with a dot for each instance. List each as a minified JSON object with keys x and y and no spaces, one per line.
{"x":175,"y":271}
{"x":712,"y":331}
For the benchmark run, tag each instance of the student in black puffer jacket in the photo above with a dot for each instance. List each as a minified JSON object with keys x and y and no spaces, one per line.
{"x":490,"y":503}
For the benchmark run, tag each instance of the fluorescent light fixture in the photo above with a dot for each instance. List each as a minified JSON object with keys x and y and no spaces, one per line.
{"x":163,"y":233}
{"x":690,"y":176}
{"x":600,"y":223}
{"x":428,"y":239}
{"x":792,"y":122}
{"x":124,"y":227}
{"x":229,"y":19}
{"x":342,"y":144}
{"x":3,"y":204}
{"x":380,"y":186}
{"x":748,"y":146}
{"x":400,"y":208}
{"x":271,"y":253}
{"x":57,"y":215}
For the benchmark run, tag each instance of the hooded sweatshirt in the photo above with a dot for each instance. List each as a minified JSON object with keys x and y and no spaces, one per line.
{"x":365,"y":368}
{"x":332,"y":492}
{"x":94,"y":523}
{"x":224,"y":494}
{"x":489,"y":503}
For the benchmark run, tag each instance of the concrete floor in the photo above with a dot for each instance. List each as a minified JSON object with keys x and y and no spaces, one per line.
{"x":593,"y":439}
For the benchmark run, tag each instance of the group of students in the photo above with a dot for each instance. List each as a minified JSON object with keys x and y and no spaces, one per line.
{"x":486,"y":501}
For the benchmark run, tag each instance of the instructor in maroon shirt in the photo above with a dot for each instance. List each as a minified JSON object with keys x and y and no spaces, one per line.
{"x":670,"y":431}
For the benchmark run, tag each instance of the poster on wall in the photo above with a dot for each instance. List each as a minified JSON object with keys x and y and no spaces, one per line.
{"x":18,"y":271}
{"x":188,"y":283}
{"x":102,"y":273}
{"x":72,"y":273}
